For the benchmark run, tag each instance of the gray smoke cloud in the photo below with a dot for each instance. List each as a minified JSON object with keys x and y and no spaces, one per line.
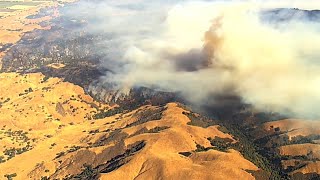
{"x":203,"y":48}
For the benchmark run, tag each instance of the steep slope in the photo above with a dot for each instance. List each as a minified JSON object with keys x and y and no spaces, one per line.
{"x":296,"y":143}
{"x":49,"y":134}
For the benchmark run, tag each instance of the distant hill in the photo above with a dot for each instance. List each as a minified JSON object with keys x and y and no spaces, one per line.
{"x":285,"y":14}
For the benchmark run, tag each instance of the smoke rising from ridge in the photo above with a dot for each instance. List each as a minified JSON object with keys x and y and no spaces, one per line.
{"x":206,"y":48}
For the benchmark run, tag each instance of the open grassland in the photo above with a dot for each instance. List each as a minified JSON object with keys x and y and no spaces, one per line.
{"x":48,"y":129}
{"x":8,"y":4}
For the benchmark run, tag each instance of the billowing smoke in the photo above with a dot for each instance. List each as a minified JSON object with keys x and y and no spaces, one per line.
{"x":268,"y":57}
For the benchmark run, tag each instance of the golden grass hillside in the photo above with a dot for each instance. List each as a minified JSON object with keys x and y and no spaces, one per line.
{"x":299,"y":144}
{"x":295,"y":127}
{"x":48,"y":132}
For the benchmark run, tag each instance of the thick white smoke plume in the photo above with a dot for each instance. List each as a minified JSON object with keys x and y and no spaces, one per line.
{"x":211,"y":47}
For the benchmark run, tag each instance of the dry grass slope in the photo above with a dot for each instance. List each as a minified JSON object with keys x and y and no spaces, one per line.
{"x":63,"y":139}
